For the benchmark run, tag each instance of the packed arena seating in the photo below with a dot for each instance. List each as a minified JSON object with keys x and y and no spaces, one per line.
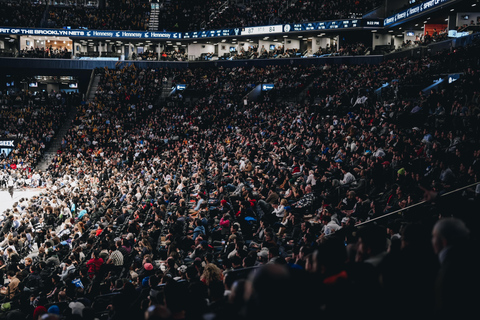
{"x":119,"y":15}
{"x":426,"y":39}
{"x":253,"y":52}
{"x":310,"y":10}
{"x":249,"y":13}
{"x":158,"y":211}
{"x":33,"y":120}
{"x":344,"y":50}
{"x":174,"y":55}
{"x":183,"y":15}
{"x":268,"y":12}
{"x":21,"y":14}
{"x":148,"y":55}
{"x":45,"y":53}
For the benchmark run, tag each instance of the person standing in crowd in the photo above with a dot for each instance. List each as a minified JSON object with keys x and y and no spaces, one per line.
{"x":10,"y":185}
{"x":456,"y":277}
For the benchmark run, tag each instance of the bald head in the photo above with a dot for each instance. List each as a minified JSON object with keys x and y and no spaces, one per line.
{"x":448,"y":232}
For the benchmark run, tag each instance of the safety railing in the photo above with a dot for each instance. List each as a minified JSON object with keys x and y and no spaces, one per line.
{"x":415,"y":205}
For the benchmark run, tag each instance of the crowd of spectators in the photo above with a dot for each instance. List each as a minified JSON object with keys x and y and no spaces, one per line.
{"x":148,"y":55}
{"x":232,"y":84}
{"x":267,"y":12}
{"x":425,"y":39}
{"x":304,"y":11}
{"x":171,"y":54}
{"x":467,"y":26}
{"x":118,"y":15}
{"x":21,"y":14}
{"x":45,"y":53}
{"x":406,"y":73}
{"x":161,"y":211}
{"x":355,"y":49}
{"x":254,"y":52}
{"x":183,"y":15}
{"x":436,"y":36}
{"x":32,"y":120}
{"x":250,"y":13}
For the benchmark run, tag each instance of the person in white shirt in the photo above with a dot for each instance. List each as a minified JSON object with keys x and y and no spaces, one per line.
{"x":10,"y":184}
{"x":311,"y":178}
{"x":67,"y":213}
{"x":379,"y":153}
{"x":138,"y":195}
{"x":351,"y":145}
{"x":67,"y":269}
{"x":347,"y":178}
{"x":180,"y":186}
{"x":36,"y":179}
{"x":242,"y":165}
{"x":279,"y":210}
{"x":329,"y":225}
{"x":65,"y":230}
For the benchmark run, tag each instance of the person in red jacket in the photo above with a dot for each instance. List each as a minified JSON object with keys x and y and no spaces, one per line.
{"x":94,"y":264}
{"x":225,"y":224}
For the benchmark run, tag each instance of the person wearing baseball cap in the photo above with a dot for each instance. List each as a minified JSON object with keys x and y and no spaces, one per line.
{"x":225,"y":207}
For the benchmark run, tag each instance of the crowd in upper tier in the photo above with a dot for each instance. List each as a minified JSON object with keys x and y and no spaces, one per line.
{"x":182,"y":15}
{"x":21,"y":14}
{"x":270,"y":12}
{"x":118,"y":15}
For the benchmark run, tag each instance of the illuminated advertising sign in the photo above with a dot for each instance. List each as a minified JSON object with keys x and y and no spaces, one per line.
{"x":245,"y":31}
{"x":415,"y":10}
{"x":91,"y":33}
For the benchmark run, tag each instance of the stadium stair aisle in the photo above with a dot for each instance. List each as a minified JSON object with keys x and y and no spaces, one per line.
{"x":167,"y":89}
{"x":93,"y":88}
{"x":57,"y":141}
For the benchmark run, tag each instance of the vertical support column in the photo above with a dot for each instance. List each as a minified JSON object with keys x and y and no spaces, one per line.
{"x":452,"y":22}
{"x":159,"y":50}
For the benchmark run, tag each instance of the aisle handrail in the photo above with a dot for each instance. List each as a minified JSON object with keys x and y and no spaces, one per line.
{"x":414,"y":205}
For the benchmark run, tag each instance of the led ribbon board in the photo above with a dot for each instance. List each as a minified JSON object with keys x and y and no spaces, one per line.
{"x":414,"y":11}
{"x":81,"y":33}
{"x":245,"y":31}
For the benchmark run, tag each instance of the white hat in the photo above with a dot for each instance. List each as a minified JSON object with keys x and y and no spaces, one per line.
{"x":77,"y":308}
{"x":263,"y":253}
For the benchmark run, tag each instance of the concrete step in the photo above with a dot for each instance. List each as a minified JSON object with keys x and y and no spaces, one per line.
{"x":51,"y":152}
